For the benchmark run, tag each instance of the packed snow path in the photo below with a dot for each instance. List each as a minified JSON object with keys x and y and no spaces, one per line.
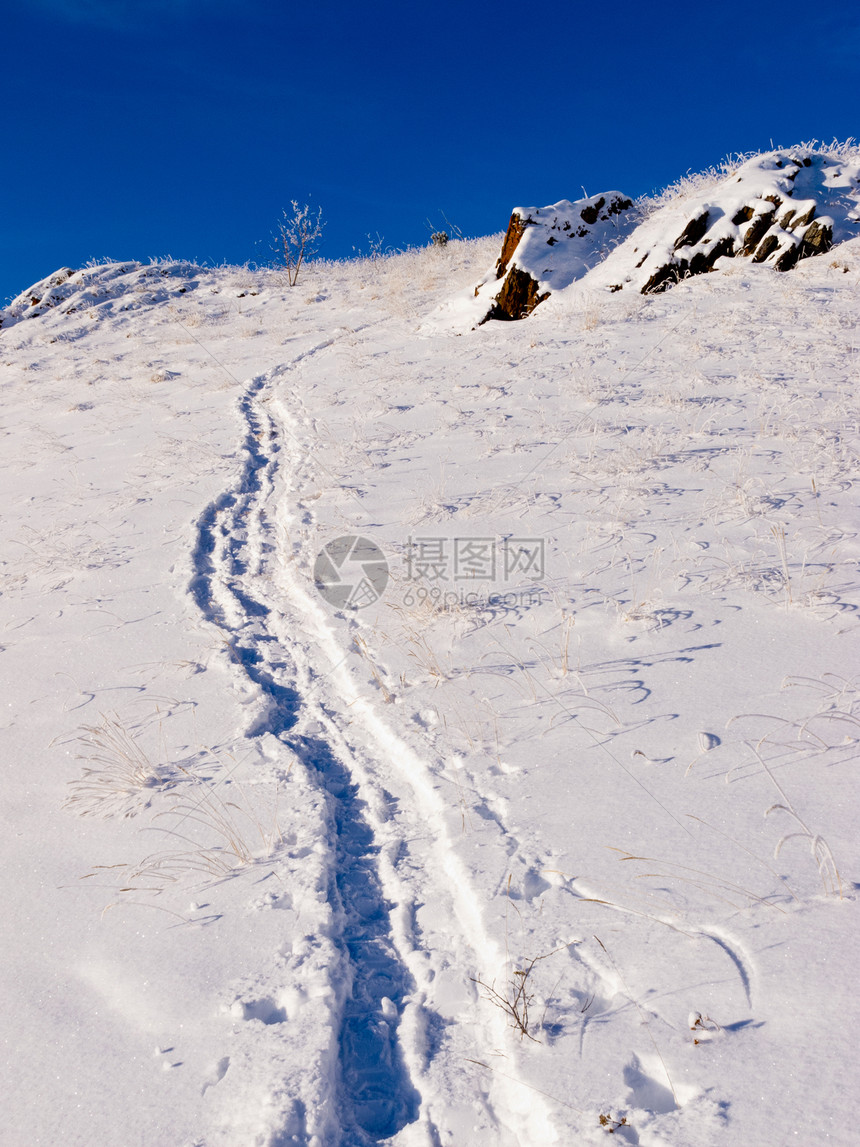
{"x":321,"y":850}
{"x":377,"y":793}
{"x":374,"y":1094}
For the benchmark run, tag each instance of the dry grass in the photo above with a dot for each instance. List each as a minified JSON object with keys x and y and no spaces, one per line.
{"x":818,"y":846}
{"x":209,"y":836}
{"x":120,"y":775}
{"x":219,"y":838}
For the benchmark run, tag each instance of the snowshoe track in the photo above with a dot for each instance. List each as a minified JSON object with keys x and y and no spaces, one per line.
{"x":382,"y":969}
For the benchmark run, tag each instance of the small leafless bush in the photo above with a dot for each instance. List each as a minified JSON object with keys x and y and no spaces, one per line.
{"x":516,"y":999}
{"x":298,"y":238}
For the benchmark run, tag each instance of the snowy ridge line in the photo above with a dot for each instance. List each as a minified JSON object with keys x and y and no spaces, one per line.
{"x":383,"y":762}
{"x":363,"y":1092}
{"x":68,"y":291}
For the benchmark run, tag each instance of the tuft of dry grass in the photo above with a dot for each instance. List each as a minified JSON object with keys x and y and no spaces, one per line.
{"x":216,"y":838}
{"x":209,"y":836}
{"x":119,"y":775}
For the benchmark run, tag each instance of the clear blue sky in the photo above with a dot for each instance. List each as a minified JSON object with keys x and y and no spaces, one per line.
{"x":137,"y":128}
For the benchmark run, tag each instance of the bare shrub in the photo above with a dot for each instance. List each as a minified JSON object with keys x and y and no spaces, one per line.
{"x":299,"y":236}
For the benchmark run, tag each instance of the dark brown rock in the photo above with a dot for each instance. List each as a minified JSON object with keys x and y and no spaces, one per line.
{"x":693,"y":232}
{"x":702,"y":262}
{"x":767,"y":245}
{"x":591,"y":213}
{"x":600,"y":209}
{"x":817,"y":239}
{"x":759,"y":226}
{"x":666,"y":276}
{"x":546,"y":248}
{"x":516,"y":230}
{"x":804,"y":219}
{"x":517,"y":298}
{"x":788,"y":258}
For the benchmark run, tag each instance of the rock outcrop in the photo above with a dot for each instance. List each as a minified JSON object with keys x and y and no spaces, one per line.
{"x":96,"y":287}
{"x":547,"y":248}
{"x":775,"y":209}
{"x":38,"y":298}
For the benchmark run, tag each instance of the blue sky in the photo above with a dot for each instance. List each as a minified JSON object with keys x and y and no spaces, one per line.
{"x":138,"y":128}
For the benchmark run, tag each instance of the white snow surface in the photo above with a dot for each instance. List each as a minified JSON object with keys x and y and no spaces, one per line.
{"x":276,"y":873}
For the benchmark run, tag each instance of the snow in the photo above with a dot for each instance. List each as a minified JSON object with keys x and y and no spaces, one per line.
{"x":274,"y":872}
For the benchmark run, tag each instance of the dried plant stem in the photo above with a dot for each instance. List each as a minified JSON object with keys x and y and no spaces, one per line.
{"x":820,"y":849}
{"x":361,"y":646}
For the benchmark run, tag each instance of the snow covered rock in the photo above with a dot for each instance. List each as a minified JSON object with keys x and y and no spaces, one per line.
{"x":775,"y":208}
{"x":99,"y":287}
{"x":547,"y":248}
{"x":39,"y":297}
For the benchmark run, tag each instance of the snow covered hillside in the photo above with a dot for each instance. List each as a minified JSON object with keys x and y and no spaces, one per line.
{"x":549,"y":833}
